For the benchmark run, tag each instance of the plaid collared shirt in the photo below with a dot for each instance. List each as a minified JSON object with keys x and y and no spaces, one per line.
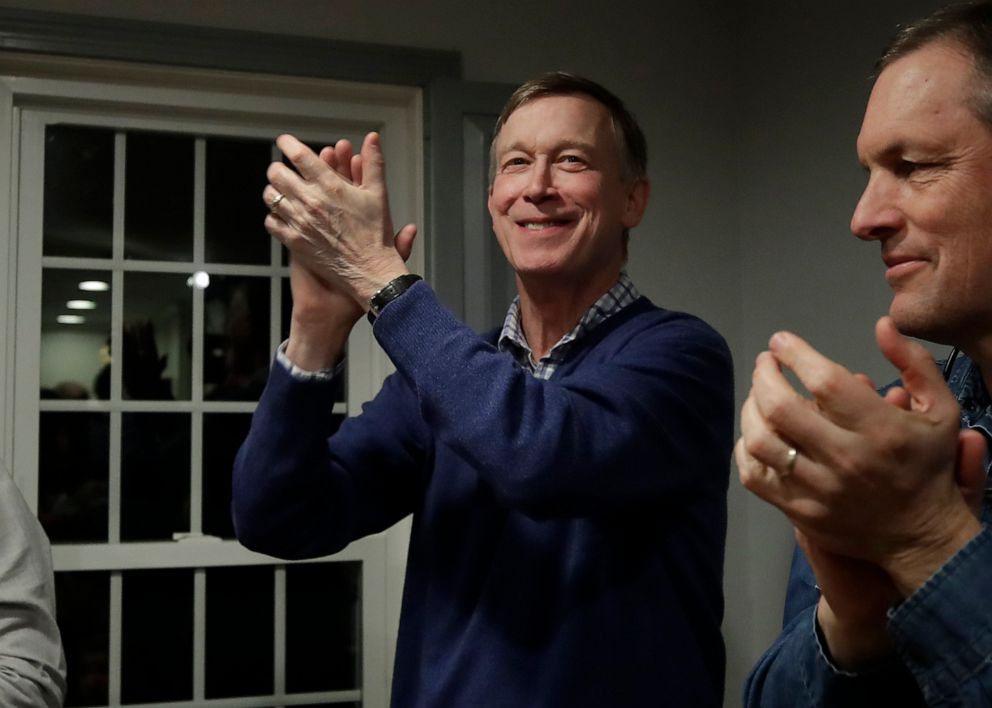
{"x":512,"y":339}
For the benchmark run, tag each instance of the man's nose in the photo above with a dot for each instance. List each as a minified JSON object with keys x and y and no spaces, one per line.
{"x":541,"y":183}
{"x":877,"y":214}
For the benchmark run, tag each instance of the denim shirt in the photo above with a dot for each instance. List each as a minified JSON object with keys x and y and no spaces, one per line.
{"x":942,"y":633}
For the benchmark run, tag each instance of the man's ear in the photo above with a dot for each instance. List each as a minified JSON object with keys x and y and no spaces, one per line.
{"x":638,"y":192}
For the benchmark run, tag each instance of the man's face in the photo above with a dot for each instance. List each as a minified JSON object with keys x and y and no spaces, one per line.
{"x":929,"y":195}
{"x":558,"y":203}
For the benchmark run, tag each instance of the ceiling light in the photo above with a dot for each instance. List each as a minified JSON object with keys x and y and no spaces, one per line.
{"x":81,"y":305}
{"x":94,"y":286}
{"x":70,"y":319}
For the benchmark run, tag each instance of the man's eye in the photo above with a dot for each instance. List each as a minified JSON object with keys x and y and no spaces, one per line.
{"x":907,"y":168}
{"x":514,"y":164}
{"x":571,"y":161}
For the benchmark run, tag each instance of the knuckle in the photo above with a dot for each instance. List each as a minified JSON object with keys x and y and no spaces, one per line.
{"x":295,"y":153}
{"x":778,"y":409}
{"x":758,"y":447}
{"x":277,"y":231}
{"x":824,"y":383}
{"x":746,"y":478}
{"x":844,"y":462}
{"x":749,"y":478}
{"x":311,"y":204}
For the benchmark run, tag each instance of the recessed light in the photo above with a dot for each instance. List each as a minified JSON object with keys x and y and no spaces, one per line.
{"x":70,"y":319}
{"x":81,"y":305}
{"x":94,"y":286}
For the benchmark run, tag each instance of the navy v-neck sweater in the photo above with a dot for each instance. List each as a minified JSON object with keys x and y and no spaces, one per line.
{"x":568,"y":535}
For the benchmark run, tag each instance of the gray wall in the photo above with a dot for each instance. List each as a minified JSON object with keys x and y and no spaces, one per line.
{"x":751,"y":110}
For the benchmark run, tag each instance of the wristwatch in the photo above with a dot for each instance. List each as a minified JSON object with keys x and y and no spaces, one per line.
{"x":389,"y":292}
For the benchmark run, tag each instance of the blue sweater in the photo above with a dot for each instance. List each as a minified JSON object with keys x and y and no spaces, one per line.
{"x":567,"y":540}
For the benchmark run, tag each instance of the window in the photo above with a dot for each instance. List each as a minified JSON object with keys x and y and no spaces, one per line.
{"x":149,"y":301}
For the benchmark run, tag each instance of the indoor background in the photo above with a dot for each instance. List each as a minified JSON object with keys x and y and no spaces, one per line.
{"x":751,"y":110}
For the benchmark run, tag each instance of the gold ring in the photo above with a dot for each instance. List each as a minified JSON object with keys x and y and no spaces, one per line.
{"x":790,"y":460}
{"x":275,"y":201}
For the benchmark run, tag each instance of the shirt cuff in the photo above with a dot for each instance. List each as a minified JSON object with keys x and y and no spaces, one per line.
{"x":943,"y":631}
{"x":321,"y":375}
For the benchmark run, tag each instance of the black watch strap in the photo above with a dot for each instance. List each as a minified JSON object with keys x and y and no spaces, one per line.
{"x":389,"y":292}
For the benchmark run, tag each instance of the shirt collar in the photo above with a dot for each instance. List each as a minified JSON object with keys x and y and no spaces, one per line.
{"x":969,"y":387}
{"x":512,"y":339}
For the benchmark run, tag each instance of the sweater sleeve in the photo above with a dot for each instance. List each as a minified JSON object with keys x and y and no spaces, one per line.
{"x":300,"y":492}
{"x":647,"y":414}
{"x":32,"y":665}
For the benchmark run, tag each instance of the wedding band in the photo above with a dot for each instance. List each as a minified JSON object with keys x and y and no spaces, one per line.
{"x":275,"y":201}
{"x":790,"y":460}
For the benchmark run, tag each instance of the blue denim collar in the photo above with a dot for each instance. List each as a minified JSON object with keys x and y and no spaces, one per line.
{"x":968,"y":387}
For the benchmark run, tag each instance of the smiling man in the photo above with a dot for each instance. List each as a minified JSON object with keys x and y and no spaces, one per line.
{"x":566,"y":473}
{"x":888,"y":602}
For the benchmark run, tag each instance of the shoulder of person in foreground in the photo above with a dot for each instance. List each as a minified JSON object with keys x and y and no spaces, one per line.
{"x":32,"y":663}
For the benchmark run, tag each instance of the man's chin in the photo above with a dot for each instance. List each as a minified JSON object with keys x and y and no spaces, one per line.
{"x":921,"y":323}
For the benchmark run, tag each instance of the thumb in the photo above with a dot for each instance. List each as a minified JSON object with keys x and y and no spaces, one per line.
{"x":919,"y":373}
{"x":970,"y":472}
{"x":404,"y":240}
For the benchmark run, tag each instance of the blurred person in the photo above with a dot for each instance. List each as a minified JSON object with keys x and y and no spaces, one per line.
{"x":32,"y":663}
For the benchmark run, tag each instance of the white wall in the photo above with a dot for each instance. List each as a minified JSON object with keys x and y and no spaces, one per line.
{"x":751,"y":110}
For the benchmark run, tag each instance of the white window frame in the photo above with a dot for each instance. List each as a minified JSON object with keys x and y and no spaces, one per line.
{"x":35,"y":89}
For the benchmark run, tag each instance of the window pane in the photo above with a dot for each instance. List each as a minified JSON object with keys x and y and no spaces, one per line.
{"x":223,"y":434}
{"x":235,"y":211}
{"x":323,"y":645}
{"x":155,"y":475}
{"x":79,"y":191}
{"x":236,"y":344}
{"x":73,"y":454}
{"x":82,"y":603}
{"x":75,"y":334}
{"x":240,"y":663}
{"x":158,"y":315}
{"x":158,"y":202}
{"x":157,"y":636}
